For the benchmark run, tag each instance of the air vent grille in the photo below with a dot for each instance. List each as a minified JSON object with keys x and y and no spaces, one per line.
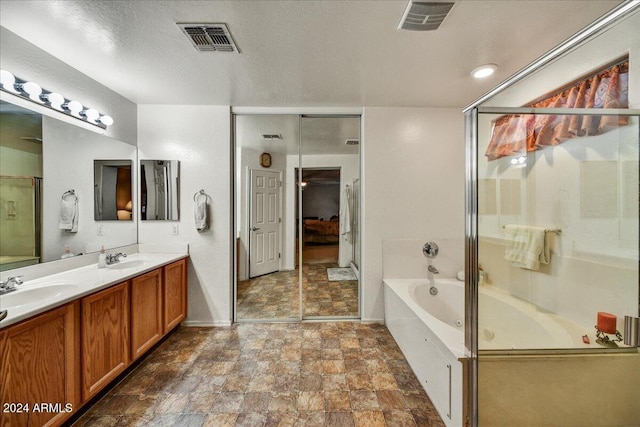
{"x":352,"y":142}
{"x":424,"y":16}
{"x":209,"y":37}
{"x":271,"y":136}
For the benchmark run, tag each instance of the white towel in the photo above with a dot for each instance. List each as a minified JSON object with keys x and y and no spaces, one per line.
{"x":527,"y":246}
{"x":69,"y":213}
{"x":345,"y":215}
{"x":200,"y":212}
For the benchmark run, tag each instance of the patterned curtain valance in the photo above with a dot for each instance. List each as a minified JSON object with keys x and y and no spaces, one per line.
{"x":515,"y":133}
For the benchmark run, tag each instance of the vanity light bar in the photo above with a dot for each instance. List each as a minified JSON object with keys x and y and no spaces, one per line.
{"x":33,"y":92}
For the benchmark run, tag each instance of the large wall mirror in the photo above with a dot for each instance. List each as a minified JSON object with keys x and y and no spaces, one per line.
{"x":159,"y":190}
{"x":297,"y":189}
{"x":41,"y":160}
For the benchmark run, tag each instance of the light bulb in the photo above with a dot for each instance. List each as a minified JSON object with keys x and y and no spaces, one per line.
{"x":484,"y":71}
{"x":74,"y":108}
{"x":55,"y":100}
{"x":7,"y":81}
{"x":33,"y":90}
{"x":91,"y":115}
{"x":106,"y":120}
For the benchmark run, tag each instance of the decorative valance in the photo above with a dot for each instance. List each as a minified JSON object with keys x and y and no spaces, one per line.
{"x":515,"y":133}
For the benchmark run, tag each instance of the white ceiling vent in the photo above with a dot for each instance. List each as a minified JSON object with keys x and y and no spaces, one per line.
{"x":352,"y":142}
{"x":271,"y":136}
{"x":424,"y":16}
{"x":209,"y":37}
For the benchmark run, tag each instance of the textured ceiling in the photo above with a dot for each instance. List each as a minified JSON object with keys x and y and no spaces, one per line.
{"x":297,"y":53}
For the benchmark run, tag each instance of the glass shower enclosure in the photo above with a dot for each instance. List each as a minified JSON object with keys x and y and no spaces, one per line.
{"x":552,"y":241}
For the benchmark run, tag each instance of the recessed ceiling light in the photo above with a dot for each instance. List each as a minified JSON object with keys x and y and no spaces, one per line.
{"x":484,"y":71}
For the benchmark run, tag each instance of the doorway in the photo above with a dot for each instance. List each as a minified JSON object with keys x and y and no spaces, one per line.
{"x":302,"y":268}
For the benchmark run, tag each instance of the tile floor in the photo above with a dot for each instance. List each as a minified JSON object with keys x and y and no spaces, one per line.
{"x":278,"y":374}
{"x":275,"y":296}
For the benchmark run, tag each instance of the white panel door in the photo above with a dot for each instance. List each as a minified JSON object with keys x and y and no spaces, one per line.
{"x":264,"y":226}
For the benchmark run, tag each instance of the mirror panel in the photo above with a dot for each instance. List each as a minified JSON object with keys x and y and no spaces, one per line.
{"x":159,"y":190}
{"x":112,"y":190}
{"x":43,"y":158}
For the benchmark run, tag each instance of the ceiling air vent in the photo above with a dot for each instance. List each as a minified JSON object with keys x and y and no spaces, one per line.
{"x":352,"y":141}
{"x":271,"y":136}
{"x":209,"y":37}
{"x":424,"y":16}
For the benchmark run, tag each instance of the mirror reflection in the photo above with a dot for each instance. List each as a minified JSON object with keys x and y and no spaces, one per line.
{"x":159,"y":190}
{"x":296,"y":216}
{"x":41,"y":159}
{"x":112,"y":184}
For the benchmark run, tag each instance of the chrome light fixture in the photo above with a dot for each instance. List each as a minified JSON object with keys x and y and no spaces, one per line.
{"x":33,"y":92}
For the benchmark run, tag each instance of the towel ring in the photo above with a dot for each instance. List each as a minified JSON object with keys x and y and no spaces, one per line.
{"x":71,"y":192}
{"x":198,"y":193}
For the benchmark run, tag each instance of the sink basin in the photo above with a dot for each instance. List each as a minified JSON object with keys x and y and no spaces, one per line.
{"x":134,"y":263}
{"x":27,"y":296}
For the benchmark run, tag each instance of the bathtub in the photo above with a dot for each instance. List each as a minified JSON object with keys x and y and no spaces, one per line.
{"x":430,"y":332}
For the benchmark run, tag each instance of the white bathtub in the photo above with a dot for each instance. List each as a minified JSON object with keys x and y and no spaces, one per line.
{"x":426,"y":331}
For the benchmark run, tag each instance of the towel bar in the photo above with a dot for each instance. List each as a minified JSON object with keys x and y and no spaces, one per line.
{"x":548,"y":230}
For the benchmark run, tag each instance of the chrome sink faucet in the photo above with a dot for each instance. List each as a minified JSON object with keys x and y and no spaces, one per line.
{"x":114,"y":258}
{"x":10,"y":285}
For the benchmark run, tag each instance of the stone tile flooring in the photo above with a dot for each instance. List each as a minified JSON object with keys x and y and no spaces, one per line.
{"x":275,"y":295}
{"x":278,"y":374}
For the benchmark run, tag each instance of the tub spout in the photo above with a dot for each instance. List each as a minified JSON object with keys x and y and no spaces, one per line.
{"x":433,"y":270}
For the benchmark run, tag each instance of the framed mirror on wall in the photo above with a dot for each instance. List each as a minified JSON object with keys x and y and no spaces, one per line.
{"x":159,"y":190}
{"x":41,"y":159}
{"x":292,"y":216}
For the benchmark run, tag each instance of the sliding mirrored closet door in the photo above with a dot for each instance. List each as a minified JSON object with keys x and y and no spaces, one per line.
{"x":295,"y":217}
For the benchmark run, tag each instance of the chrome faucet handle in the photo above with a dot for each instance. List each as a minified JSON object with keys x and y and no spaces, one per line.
{"x":11,"y":282}
{"x":430,"y":250}
{"x":3,"y":314}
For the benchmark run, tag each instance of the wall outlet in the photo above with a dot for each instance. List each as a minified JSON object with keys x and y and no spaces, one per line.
{"x":99,"y":231}
{"x":174,"y":229}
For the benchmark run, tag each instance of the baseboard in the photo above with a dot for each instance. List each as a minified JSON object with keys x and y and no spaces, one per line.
{"x":380,"y":321}
{"x":199,"y":323}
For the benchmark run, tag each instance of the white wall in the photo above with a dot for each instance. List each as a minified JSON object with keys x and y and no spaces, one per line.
{"x":29,"y":62}
{"x":200,"y":138}
{"x":413,"y":186}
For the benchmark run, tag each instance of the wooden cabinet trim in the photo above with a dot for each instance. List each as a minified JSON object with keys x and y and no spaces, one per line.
{"x":172,"y":320}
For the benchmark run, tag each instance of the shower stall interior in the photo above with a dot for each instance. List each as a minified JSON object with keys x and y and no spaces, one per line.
{"x":552,"y":235}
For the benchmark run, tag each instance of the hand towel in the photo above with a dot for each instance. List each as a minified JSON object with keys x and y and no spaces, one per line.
{"x":200,"y":212}
{"x":69,"y":213}
{"x":527,"y":246}
{"x":345,"y":215}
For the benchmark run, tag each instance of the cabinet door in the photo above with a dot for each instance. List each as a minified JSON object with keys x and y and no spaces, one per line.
{"x":39,"y":368}
{"x":146,"y":312}
{"x":175,"y":294}
{"x":105,"y":337}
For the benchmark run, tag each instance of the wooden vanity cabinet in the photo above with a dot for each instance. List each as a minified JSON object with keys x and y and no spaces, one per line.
{"x":175,"y":294}
{"x":105,"y":337}
{"x":40,"y":369}
{"x":146,"y":312}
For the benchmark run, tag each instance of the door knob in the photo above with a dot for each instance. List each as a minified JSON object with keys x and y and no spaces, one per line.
{"x":254,"y":228}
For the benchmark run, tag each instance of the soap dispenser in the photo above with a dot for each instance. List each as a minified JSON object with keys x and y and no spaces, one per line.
{"x":102,"y":258}
{"x":67,"y":252}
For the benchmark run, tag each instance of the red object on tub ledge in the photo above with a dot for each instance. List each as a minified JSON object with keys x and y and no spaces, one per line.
{"x":607,"y":322}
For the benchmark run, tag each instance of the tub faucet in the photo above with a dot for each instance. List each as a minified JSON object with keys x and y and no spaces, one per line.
{"x":432,"y":269}
{"x":114,"y":258}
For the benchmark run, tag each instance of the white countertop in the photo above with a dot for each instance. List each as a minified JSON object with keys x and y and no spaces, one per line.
{"x":40,"y":294}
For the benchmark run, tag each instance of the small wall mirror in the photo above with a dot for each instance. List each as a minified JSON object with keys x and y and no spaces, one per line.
{"x":159,"y":190}
{"x":112,"y":190}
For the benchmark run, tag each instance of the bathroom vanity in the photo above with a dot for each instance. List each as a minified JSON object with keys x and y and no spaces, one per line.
{"x":59,"y":352}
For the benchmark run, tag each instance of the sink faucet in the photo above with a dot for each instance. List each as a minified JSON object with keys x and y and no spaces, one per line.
{"x":432,"y":269}
{"x":10,"y":285}
{"x":114,"y":258}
